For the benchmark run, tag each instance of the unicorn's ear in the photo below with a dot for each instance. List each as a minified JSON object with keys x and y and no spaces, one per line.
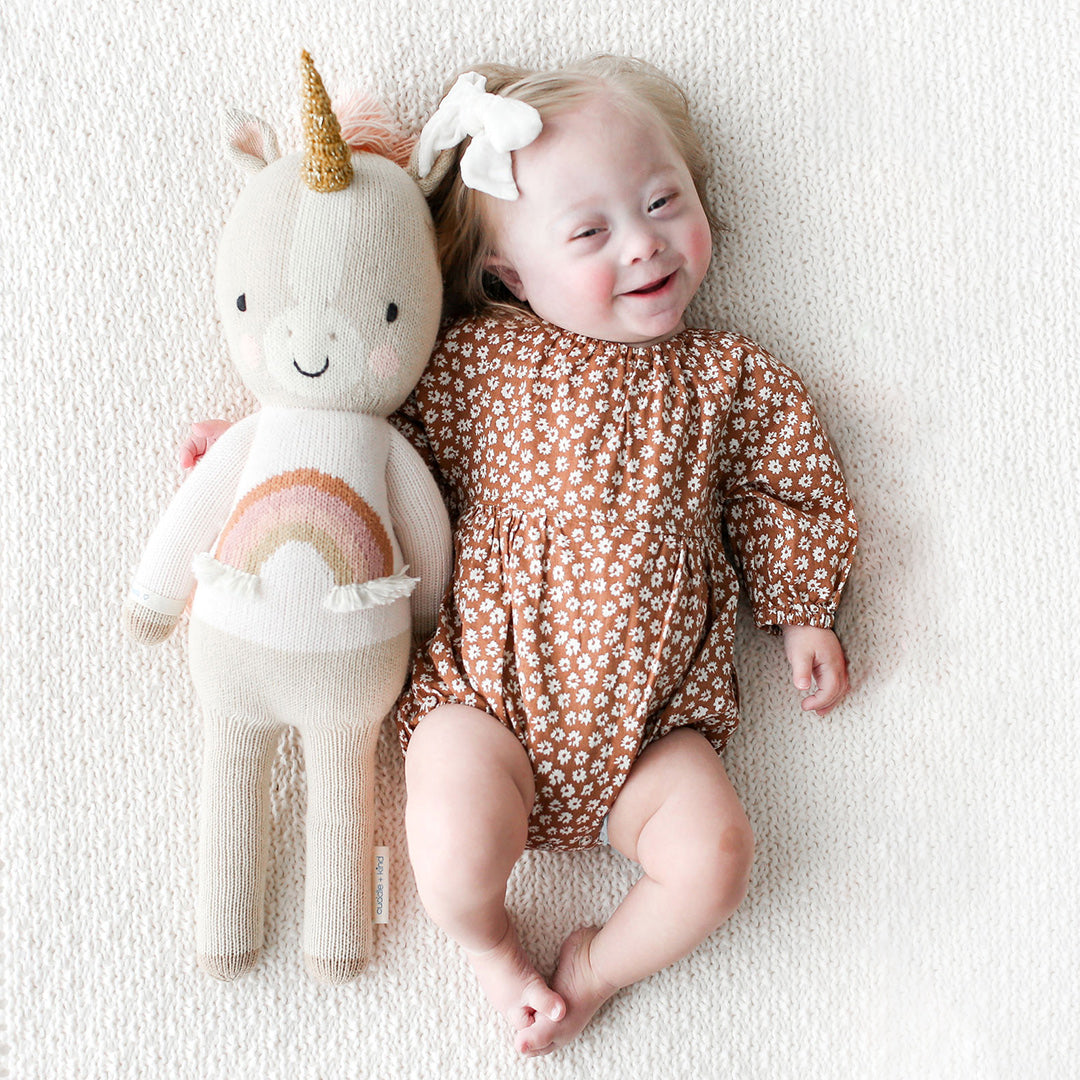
{"x":444,"y":160}
{"x":250,"y":143}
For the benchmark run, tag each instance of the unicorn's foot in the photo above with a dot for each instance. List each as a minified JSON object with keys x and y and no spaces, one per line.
{"x":513,"y":985}
{"x":334,"y":971}
{"x":228,"y":967}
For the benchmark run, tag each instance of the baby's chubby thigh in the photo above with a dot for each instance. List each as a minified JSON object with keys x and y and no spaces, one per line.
{"x":470,"y":791}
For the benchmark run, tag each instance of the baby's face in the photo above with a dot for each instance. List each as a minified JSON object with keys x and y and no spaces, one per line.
{"x":608,"y":237}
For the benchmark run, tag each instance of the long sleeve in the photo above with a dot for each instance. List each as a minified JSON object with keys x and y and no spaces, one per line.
{"x":787,"y":514}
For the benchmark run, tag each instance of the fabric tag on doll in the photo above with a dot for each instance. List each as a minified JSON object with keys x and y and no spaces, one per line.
{"x":381,"y":870}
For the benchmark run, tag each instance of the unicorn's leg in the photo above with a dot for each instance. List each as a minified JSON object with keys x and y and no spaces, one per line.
{"x":240,"y":735}
{"x":340,"y":767}
{"x":234,"y":829}
{"x":346,"y":697}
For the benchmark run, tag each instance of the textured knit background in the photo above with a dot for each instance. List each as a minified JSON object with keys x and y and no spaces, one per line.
{"x":898,"y":183}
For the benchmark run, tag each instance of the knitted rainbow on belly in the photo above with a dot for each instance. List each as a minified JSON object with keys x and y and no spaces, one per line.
{"x":306,"y":506}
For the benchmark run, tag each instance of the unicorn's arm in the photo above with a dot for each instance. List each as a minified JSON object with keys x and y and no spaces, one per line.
{"x":422,"y":528}
{"x":164,"y":579}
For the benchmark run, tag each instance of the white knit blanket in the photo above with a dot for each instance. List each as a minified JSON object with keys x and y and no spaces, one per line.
{"x":898,"y":186}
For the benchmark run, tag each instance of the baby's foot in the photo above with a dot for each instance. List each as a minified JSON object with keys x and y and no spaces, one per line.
{"x":580,"y":987}
{"x":513,"y":985}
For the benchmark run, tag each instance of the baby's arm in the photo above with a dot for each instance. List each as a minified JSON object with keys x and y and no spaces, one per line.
{"x":817,"y":659}
{"x":790,"y":521}
{"x":201,"y":436}
{"x":786,"y":508}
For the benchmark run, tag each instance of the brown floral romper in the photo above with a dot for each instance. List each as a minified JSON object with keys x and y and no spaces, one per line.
{"x":593,"y":487}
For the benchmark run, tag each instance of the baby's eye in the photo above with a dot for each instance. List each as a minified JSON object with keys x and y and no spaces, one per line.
{"x":586,"y":233}
{"x":659,"y":204}
{"x":241,"y":302}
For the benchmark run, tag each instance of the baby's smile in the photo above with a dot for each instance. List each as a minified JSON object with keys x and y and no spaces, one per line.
{"x":654,"y":287}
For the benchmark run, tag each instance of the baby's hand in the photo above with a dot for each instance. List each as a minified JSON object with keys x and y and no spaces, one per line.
{"x":202,"y":435}
{"x":816,"y":657}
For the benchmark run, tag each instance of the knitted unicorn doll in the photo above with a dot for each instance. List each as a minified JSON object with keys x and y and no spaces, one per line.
{"x":314,"y":529}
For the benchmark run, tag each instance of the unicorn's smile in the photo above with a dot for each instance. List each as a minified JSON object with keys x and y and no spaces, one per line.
{"x":312,"y":374}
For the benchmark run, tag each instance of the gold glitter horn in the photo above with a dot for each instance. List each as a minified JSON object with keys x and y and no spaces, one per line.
{"x":327,"y":164}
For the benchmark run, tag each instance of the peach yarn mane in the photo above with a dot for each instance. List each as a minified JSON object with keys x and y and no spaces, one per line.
{"x":366,"y":126}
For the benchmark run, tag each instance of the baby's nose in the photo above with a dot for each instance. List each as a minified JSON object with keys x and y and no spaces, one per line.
{"x":642,"y":244}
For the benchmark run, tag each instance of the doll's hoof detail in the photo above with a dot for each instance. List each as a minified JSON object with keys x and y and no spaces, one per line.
{"x":334,"y":971}
{"x":228,"y":967}
{"x":146,"y":626}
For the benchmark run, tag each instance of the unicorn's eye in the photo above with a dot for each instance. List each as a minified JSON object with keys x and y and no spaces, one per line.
{"x":391,"y":313}
{"x":241,"y":302}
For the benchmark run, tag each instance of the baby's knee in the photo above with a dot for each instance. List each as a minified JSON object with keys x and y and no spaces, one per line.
{"x":457,"y":870}
{"x":720,"y":866}
{"x":448,"y":875}
{"x":735,"y":846}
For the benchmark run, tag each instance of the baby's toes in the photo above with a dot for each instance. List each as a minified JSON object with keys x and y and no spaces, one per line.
{"x":521,"y":1017}
{"x":544,"y":1001}
{"x":537,"y":1040}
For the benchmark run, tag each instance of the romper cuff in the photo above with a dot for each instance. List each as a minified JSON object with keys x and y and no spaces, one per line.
{"x":773,"y":618}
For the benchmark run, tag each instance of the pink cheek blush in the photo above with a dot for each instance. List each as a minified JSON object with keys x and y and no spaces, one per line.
{"x":384,"y":362}
{"x":250,"y":358}
{"x":701,"y":245}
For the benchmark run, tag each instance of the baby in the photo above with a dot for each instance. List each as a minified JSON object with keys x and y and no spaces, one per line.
{"x":610,"y":474}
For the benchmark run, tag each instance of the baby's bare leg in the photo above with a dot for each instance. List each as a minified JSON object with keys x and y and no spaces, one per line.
{"x":470,"y":791}
{"x":679,"y":817}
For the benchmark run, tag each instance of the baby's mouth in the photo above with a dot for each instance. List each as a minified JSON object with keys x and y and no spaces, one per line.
{"x":654,"y":287}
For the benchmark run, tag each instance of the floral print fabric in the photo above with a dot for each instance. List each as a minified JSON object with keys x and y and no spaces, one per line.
{"x":597,"y":490}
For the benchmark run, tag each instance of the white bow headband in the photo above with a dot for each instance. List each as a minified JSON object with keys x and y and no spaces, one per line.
{"x":497,"y":126}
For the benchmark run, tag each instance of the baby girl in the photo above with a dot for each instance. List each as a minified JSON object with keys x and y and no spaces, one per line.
{"x":611,"y":475}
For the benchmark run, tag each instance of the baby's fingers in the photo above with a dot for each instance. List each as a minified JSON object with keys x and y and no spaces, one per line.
{"x":190,"y":450}
{"x":832,"y":685}
{"x":802,"y":671}
{"x":201,"y":436}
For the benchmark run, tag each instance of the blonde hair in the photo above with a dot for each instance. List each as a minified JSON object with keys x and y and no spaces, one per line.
{"x":463,"y":232}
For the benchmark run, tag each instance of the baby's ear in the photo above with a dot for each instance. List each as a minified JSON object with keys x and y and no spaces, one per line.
{"x":250,"y":143}
{"x":506,"y":274}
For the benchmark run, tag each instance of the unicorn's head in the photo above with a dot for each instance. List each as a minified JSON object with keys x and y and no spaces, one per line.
{"x":327,"y":276}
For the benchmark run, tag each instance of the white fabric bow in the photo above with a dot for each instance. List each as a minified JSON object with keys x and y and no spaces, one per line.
{"x":497,"y":126}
